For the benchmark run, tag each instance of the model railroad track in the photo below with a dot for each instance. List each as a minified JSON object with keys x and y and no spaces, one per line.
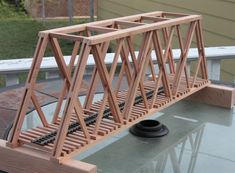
{"x":91,"y":119}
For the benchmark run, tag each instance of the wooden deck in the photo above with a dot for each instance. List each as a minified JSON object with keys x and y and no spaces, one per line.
{"x":76,"y":142}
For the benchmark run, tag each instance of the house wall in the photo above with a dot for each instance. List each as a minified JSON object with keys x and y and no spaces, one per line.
{"x":218,"y":19}
{"x":58,"y":8}
{"x":218,"y":15}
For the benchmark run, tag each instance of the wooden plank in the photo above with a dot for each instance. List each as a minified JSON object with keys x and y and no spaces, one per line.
{"x":68,"y":36}
{"x":101,"y":29}
{"x":38,"y":109}
{"x":215,"y":95}
{"x":22,"y":160}
{"x":155,"y":19}
{"x":128,"y":23}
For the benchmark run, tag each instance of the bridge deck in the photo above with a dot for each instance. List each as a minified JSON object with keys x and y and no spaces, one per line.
{"x":76,"y":142}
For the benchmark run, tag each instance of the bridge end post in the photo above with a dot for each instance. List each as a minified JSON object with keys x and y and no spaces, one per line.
{"x":23,"y":160}
{"x":217,"y":95}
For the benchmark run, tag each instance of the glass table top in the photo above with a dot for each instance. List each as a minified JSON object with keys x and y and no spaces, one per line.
{"x":201,"y":140}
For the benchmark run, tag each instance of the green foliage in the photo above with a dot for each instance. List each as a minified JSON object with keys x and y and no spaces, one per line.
{"x":17,"y":3}
{"x":9,"y":11}
{"x":19,"y":33}
{"x":18,"y":38}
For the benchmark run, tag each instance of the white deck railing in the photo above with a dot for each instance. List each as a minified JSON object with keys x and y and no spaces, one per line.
{"x":12,"y":68}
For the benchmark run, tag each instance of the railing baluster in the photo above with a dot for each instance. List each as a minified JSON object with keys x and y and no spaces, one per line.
{"x":52,"y":74}
{"x":11,"y":79}
{"x":213,"y":67}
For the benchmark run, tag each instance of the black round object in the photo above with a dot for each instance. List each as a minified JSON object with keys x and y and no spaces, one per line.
{"x":149,"y":129}
{"x":7,"y":132}
{"x":2,"y":171}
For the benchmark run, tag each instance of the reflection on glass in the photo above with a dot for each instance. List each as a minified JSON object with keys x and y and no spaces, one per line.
{"x":170,"y":160}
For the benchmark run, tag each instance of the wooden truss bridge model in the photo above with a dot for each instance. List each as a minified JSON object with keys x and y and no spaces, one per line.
{"x":142,"y":45}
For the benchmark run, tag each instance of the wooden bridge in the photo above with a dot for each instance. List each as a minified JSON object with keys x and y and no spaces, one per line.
{"x":150,"y":87}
